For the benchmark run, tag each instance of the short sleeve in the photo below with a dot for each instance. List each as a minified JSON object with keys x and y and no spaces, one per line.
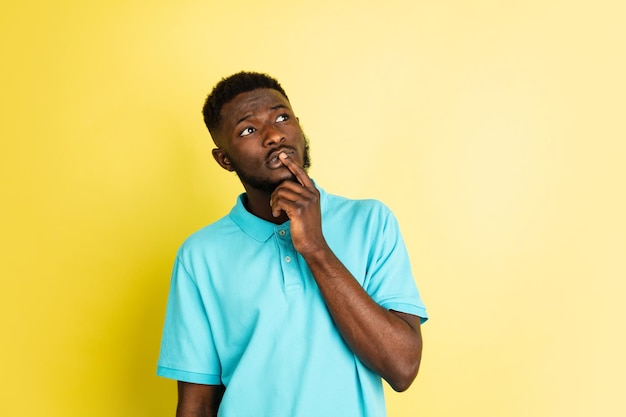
{"x":187,"y":348}
{"x":389,"y":279}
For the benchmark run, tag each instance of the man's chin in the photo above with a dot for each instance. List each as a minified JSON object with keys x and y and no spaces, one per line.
{"x":266,"y":185}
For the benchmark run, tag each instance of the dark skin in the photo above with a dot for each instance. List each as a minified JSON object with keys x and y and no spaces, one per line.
{"x":261,"y":139}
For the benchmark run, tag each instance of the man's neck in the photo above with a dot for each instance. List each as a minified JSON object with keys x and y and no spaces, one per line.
{"x":258,"y":203}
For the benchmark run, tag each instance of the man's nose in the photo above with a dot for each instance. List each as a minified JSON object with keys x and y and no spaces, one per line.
{"x":272,"y":135}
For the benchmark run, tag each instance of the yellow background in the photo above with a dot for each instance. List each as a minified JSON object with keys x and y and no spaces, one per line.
{"x":494,"y":130}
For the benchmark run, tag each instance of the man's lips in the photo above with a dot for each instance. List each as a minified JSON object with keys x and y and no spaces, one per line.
{"x":273,"y":161}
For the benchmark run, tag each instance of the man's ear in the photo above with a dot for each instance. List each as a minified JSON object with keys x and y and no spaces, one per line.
{"x":222,"y":159}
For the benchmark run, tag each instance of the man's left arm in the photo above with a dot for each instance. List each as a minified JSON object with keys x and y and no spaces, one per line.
{"x":388,"y":342}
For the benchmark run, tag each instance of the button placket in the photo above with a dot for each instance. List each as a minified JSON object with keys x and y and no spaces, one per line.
{"x":291,"y":272}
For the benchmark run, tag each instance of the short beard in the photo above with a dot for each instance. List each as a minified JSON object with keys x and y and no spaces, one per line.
{"x":269,"y":186}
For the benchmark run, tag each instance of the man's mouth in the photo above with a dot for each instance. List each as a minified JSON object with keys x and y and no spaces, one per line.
{"x":273,"y":161}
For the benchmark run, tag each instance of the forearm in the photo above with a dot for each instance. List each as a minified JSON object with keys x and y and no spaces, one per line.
{"x":389,"y":345}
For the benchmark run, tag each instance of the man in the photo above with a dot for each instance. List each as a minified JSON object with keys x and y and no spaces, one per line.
{"x":298,"y":301}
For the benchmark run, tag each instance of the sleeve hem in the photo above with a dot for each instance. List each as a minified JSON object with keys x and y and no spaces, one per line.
{"x":186,"y":376}
{"x":409,"y":309}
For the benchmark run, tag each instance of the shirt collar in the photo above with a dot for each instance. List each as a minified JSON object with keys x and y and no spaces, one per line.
{"x":256,"y":227}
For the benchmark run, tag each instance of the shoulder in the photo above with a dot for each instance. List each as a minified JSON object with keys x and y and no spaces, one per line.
{"x":335,"y":205}
{"x":207,"y":237}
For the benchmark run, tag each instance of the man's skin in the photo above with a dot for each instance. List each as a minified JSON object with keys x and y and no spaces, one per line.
{"x":261,"y":139}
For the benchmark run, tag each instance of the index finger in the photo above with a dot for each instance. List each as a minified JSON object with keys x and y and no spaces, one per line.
{"x":302,"y":177}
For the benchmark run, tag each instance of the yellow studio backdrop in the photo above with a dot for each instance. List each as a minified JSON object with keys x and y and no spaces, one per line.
{"x":494,"y":130}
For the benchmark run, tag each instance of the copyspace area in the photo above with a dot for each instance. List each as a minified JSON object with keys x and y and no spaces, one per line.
{"x":494,"y":130}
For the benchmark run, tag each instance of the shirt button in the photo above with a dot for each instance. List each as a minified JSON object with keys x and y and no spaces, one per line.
{"x":287,"y":259}
{"x":282,"y":233}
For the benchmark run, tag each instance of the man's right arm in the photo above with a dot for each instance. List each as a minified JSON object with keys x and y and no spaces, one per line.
{"x":198,"y":400}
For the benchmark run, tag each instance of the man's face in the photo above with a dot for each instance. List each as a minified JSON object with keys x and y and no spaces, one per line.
{"x":256,"y":126}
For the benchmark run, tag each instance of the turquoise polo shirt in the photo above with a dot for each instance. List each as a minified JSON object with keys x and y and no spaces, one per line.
{"x":244,"y":311}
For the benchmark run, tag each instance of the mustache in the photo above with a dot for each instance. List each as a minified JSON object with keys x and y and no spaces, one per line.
{"x":270,"y":154}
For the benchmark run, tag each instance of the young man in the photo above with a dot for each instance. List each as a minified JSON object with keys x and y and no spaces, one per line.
{"x":298,"y":301}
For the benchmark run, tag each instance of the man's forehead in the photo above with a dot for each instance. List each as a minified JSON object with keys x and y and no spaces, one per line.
{"x":249,"y":101}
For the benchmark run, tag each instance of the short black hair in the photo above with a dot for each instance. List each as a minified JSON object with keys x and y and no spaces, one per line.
{"x":227,"y":89}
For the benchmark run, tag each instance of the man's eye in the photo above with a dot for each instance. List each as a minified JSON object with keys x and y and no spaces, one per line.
{"x":282,"y":118}
{"x":247,"y":131}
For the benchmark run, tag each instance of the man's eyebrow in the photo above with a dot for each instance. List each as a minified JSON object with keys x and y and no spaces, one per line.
{"x":274,"y":107}
{"x":278,"y":106}
{"x":247,"y":116}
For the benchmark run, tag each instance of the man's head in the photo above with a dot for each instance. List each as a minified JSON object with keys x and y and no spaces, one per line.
{"x":227,"y":89}
{"x":251,"y":121}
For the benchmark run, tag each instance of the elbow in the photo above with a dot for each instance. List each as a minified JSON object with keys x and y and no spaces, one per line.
{"x":404,"y":377}
{"x":405,"y":370}
{"x":403,"y":359}
{"x":400,"y":387}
